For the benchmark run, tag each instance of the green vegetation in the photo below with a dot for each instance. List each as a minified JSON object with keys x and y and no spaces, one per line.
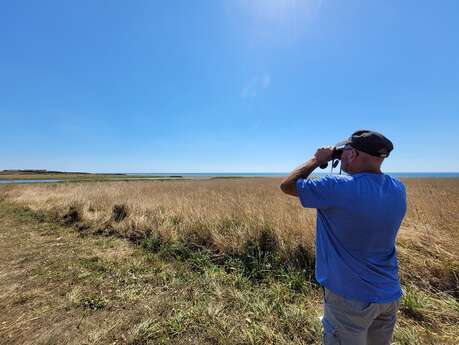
{"x":75,"y":176}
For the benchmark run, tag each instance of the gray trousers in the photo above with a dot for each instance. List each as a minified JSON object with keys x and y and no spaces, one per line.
{"x":351,"y":322}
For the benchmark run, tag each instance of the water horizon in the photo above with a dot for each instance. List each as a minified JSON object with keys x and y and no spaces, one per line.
{"x":237,"y":174}
{"x":281,"y":174}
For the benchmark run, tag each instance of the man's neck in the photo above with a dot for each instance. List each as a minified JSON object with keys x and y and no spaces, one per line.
{"x":367,"y":171}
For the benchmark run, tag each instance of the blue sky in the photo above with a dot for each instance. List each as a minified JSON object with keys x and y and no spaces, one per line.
{"x":215,"y":86}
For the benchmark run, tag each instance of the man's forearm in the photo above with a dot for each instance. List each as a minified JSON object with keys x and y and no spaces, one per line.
{"x":288,"y":185}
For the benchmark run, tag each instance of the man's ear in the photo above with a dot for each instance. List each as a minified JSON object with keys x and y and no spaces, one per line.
{"x":354,"y":154}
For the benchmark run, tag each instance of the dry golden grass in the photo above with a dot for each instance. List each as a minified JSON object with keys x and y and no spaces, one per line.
{"x":224,"y":214}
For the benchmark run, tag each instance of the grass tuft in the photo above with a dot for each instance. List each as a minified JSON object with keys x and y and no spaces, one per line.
{"x":93,"y":302}
{"x":119,"y":213}
{"x":71,"y":216}
{"x":412,"y":304}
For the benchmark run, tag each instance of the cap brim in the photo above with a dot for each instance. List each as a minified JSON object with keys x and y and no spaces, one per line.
{"x":342,"y":143}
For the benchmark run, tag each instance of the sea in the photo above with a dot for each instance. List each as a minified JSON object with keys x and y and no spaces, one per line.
{"x":244,"y":174}
{"x":281,"y":174}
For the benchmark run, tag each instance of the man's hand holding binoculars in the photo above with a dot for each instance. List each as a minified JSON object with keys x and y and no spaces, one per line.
{"x":320,"y":158}
{"x":323,"y":155}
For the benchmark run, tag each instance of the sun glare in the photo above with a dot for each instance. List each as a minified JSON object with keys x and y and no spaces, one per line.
{"x":279,"y":10}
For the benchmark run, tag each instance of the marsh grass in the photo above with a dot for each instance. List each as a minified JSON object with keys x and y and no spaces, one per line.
{"x":249,"y":219}
{"x":236,"y":258}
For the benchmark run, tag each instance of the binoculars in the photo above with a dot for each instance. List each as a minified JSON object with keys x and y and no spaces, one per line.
{"x":336,"y":156}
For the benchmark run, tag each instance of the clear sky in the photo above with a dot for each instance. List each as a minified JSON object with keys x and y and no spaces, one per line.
{"x":225,"y":85}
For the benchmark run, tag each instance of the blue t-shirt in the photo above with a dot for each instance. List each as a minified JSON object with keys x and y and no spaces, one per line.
{"x":358,"y":217}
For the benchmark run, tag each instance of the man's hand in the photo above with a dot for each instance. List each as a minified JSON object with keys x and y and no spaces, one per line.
{"x":323,"y":154}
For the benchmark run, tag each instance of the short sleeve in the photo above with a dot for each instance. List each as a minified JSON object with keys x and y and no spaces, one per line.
{"x":317,"y":193}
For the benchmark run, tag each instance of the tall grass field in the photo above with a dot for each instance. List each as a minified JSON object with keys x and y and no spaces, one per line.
{"x":217,"y":261}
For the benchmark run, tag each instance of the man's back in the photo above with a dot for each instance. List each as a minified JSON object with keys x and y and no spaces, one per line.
{"x":358,"y":217}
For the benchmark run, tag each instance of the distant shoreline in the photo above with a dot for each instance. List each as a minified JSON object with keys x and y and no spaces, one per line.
{"x":251,"y":174}
{"x":58,"y":176}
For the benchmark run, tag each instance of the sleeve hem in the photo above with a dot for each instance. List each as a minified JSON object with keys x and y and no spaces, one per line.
{"x":299,"y":190}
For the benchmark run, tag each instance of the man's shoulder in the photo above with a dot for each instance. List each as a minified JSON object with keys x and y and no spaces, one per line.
{"x":358,"y":179}
{"x":397,"y":183}
{"x":338,"y":179}
{"x":390,"y":180}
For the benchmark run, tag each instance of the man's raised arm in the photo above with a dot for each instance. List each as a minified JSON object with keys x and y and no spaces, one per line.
{"x":322,"y":155}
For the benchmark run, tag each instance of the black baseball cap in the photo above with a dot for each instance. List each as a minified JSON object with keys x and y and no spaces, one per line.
{"x":370,"y":142}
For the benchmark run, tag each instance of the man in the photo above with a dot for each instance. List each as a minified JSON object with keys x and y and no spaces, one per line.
{"x":358,"y":217}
